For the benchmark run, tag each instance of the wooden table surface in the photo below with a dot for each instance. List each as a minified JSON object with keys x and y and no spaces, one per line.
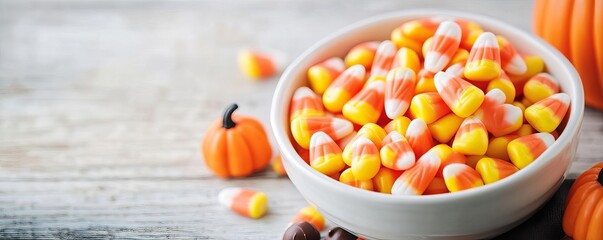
{"x":103,"y":105}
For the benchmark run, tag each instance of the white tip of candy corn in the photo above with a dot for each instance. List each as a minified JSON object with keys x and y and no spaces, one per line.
{"x":395,"y":108}
{"x":406,"y":161}
{"x":320,"y":138}
{"x":335,"y":63}
{"x":356,"y":71}
{"x":561,"y":97}
{"x":456,"y":70}
{"x":516,"y":65}
{"x":434,"y":61}
{"x":496,"y":95}
{"x":547,"y":138}
{"x":416,"y":127}
{"x":227,"y":195}
{"x":303,"y":92}
{"x":442,"y":80}
{"x":387,"y":48}
{"x":449,"y":29}
{"x":486,"y":40}
{"x":341,"y":127}
{"x":513,"y":113}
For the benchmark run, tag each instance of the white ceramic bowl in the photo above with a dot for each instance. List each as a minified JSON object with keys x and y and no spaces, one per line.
{"x":472,"y":214}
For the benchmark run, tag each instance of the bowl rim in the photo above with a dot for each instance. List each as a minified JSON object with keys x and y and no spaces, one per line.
{"x":572,"y":127}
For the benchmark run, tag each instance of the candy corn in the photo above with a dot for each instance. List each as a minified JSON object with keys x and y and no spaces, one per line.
{"x":472,"y":137}
{"x":306,"y":103}
{"x":540,"y":86}
{"x":364,"y":158}
{"x":325,"y":154}
{"x":407,"y":58}
{"x":323,"y":74}
{"x":415,"y":180}
{"x":428,"y":106}
{"x":311,"y":215}
{"x":399,"y":124}
{"x":459,"y":177}
{"x":256,"y":64}
{"x":470,"y":32}
{"x":445,"y":128}
{"x":399,"y":90}
{"x":445,"y":43}
{"x":460,"y":56}
{"x":397,"y":154}
{"x":504,"y":84}
{"x":243,"y":201}
{"x":497,"y":148}
{"x":546,"y":115}
{"x":492,"y":169}
{"x":534,"y":64}
{"x":503,"y":119}
{"x":383,"y":58}
{"x":343,"y":88}
{"x":449,"y":156}
{"x":462,"y":97}
{"x":367,"y":105}
{"x":347,"y":177}
{"x":419,"y":137}
{"x":456,"y":69}
{"x":362,"y":54}
{"x":524,"y":130}
{"x":524,"y":150}
{"x":425,"y":82}
{"x":412,"y":34}
{"x":510,"y":60}
{"x":303,"y":127}
{"x":484,"y":59}
{"x":373,"y":132}
{"x":384,"y":180}
{"x":437,"y":186}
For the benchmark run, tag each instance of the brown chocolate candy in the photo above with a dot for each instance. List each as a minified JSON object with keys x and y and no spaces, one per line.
{"x":301,"y":231}
{"x":341,"y":234}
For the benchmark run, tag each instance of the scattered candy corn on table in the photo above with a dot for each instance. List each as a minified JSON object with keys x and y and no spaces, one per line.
{"x":103,"y":105}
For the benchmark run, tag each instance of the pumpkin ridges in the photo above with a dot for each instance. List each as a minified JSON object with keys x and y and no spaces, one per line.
{"x":588,"y":176}
{"x":585,"y":213}
{"x":215,"y":151}
{"x":573,"y":207}
{"x":598,"y":40}
{"x":561,"y":21}
{"x":539,"y":16}
{"x":261,"y":154}
{"x":595,"y":230}
{"x":239,"y":156}
{"x":581,"y":42}
{"x":250,"y":121}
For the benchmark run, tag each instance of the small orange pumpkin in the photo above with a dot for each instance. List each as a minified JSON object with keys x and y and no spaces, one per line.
{"x":236,"y":146}
{"x":576,"y":29}
{"x":583,"y":217}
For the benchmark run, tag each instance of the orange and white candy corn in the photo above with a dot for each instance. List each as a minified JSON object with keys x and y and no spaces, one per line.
{"x":445,"y":128}
{"x":399,"y":90}
{"x":462,"y":97}
{"x":497,"y":147}
{"x":428,"y":106}
{"x":524,"y":150}
{"x":347,"y":177}
{"x":472,"y":137}
{"x":323,"y":74}
{"x":546,"y":114}
{"x":397,"y":154}
{"x":343,"y":88}
{"x":504,"y":84}
{"x":367,"y":105}
{"x":540,"y":86}
{"x":311,"y":215}
{"x":470,"y":32}
{"x":256,"y":64}
{"x":460,"y":56}
{"x":503,"y":119}
{"x":415,"y":180}
{"x":342,"y":143}
{"x":399,"y":124}
{"x":492,"y":169}
{"x":437,"y":186}
{"x":373,"y":132}
{"x":493,"y":98}
{"x":449,"y":156}
{"x":244,"y":201}
{"x":419,"y":137}
{"x":303,"y":127}
{"x":407,"y":58}
{"x":305,"y":102}
{"x":383,"y":58}
{"x":384,"y":180}
{"x":364,"y":158}
{"x":363,"y":54}
{"x":443,"y":47}
{"x":325,"y":154}
{"x":459,"y":177}
{"x":456,"y":69}
{"x":484,"y":59}
{"x":277,"y":166}
{"x":413,"y":33}
{"x":425,"y":82}
{"x":510,"y":60}
{"x":524,"y":130}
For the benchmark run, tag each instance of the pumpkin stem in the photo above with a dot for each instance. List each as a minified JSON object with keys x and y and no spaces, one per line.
{"x":227,"y":119}
{"x":600,"y":178}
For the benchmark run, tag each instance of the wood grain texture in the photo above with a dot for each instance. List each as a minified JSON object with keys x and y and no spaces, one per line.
{"x":103,"y":105}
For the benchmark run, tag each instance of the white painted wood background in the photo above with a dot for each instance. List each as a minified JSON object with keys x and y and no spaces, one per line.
{"x":103,"y":105}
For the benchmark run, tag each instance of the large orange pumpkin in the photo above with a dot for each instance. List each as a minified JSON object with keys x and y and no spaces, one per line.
{"x":583,"y":217}
{"x":236,"y":146}
{"x":576,"y":28}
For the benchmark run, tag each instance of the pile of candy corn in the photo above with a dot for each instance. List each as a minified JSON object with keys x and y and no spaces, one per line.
{"x":443,"y":106}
